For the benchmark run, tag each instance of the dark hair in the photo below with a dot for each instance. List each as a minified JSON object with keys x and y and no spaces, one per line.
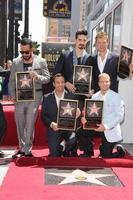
{"x":58,"y":75}
{"x":26,"y":41}
{"x":81,"y":32}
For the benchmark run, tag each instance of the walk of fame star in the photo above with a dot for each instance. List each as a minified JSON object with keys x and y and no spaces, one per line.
{"x":82,"y":75}
{"x":67,"y":109}
{"x":79,"y":175}
{"x":125,"y":56}
{"x":94,"y":109}
{"x":25,"y":82}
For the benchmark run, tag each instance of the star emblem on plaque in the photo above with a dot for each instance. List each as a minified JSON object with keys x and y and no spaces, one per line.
{"x":66,"y":118}
{"x":93,"y":113}
{"x":25,"y":89}
{"x":125,"y":59}
{"x":82,"y":77}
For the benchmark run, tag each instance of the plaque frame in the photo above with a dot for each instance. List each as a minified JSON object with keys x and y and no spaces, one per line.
{"x":67,"y":118}
{"x":123,"y":65}
{"x":84,"y":85}
{"x":94,"y":117}
{"x":27,"y":93}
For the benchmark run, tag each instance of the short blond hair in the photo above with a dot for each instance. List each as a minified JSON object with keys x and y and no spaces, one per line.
{"x":103,"y":75}
{"x":101,"y":34}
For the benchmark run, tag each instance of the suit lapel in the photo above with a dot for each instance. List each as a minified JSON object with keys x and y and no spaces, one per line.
{"x":54,"y":100}
{"x":96,"y":65}
{"x":107,"y":66}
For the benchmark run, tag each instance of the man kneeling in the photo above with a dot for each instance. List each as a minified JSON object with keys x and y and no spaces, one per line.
{"x":113,"y":115}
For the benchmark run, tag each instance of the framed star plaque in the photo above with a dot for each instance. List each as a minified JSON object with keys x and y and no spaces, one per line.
{"x":82,"y":77}
{"x":66,"y":118}
{"x":93,"y":113}
{"x":125,"y":59}
{"x":25,"y":89}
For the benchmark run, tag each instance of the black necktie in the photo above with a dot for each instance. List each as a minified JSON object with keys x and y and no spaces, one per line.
{"x":79,"y":60}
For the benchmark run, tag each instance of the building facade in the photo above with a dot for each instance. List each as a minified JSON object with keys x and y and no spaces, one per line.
{"x":116,"y":18}
{"x":64,"y":29}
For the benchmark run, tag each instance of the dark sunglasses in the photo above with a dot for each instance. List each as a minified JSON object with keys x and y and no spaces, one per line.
{"x":26,"y":52}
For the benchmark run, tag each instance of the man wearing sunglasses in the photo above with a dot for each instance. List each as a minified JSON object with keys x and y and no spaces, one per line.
{"x":26,"y":111}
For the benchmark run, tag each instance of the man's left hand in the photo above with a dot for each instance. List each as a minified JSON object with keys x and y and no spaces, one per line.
{"x":131,"y":67}
{"x":33,"y":74}
{"x":100,"y":128}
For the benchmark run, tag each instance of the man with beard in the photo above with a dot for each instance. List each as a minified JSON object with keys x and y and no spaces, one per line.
{"x":65,"y":65}
{"x":76,"y":56}
{"x":26,"y":111}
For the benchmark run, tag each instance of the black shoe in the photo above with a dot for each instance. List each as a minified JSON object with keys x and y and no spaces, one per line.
{"x":85,"y":155}
{"x":121,"y":151}
{"x":29,"y":155}
{"x":74,"y":155}
{"x":18,"y":154}
{"x":2,"y":154}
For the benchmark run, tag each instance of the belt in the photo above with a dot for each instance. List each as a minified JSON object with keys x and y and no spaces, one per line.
{"x":38,"y":90}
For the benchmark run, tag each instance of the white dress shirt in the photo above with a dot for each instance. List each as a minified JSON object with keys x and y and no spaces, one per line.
{"x":59,"y":98}
{"x":100,"y":62}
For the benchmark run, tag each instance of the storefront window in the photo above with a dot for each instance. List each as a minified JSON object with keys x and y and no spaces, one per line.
{"x":94,"y":32}
{"x":108,"y":21}
{"x":101,"y":26}
{"x":116,"y":29}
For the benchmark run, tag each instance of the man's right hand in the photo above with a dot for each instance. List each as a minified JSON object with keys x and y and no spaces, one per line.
{"x":13,"y":99}
{"x":54,"y":126}
{"x":70,"y":86}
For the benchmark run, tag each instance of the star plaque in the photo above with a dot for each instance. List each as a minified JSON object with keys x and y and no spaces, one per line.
{"x":25,"y":90}
{"x":125,"y":59}
{"x":82,"y":79}
{"x":93,"y":113}
{"x":66,"y":118}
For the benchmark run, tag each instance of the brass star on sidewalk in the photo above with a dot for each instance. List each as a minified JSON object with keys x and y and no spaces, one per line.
{"x":79,"y":175}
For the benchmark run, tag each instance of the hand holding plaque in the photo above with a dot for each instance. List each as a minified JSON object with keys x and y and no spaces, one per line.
{"x":67,"y":111}
{"x":93,"y":114}
{"x":82,"y":79}
{"x":25,"y":89}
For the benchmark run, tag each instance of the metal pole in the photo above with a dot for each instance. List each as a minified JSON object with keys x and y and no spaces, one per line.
{"x":26,"y":21}
{"x":3,"y":31}
{"x":10,"y":50}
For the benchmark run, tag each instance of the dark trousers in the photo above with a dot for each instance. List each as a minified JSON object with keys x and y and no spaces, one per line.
{"x":71,"y":145}
{"x":106,"y":148}
{"x":3,"y":124}
{"x":85,"y":141}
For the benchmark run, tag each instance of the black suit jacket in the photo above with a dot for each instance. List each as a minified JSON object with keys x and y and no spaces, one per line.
{"x":110,"y":68}
{"x":65,"y":65}
{"x":50,"y":109}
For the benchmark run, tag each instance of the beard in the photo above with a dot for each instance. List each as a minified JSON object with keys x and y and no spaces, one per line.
{"x":81,"y":46}
{"x":26,"y":58}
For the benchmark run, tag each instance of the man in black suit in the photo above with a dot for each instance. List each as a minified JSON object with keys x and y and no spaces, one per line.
{"x":68,"y":59}
{"x":105,"y":61}
{"x":65,"y":65}
{"x":49,"y":116}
